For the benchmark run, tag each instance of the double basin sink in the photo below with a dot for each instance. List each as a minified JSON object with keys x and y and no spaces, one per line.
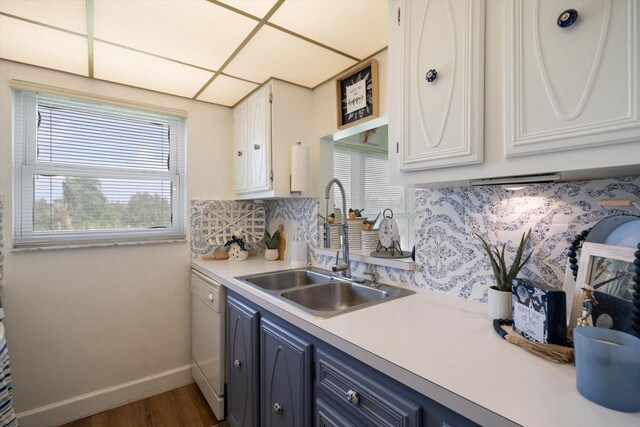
{"x":321,"y":294}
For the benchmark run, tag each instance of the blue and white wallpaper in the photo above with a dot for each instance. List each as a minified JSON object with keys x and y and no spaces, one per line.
{"x":302,"y":211}
{"x":450,"y":259}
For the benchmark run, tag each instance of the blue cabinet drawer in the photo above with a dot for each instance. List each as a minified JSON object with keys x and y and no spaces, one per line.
{"x":361,"y":396}
{"x":328,"y":415}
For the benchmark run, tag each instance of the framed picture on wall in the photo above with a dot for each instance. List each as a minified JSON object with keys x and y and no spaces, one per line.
{"x":357,"y":94}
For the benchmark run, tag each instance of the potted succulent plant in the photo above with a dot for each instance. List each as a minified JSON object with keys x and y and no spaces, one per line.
{"x":500,"y":293}
{"x":271,"y":253}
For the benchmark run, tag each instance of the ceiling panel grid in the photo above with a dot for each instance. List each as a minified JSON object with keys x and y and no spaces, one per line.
{"x":215,"y":51}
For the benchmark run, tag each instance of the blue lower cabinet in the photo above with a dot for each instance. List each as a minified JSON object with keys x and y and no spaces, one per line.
{"x":278,"y":375}
{"x":243,"y":322}
{"x":285,"y":377}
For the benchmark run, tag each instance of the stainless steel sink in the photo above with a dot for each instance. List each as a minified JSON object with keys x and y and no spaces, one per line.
{"x":334,"y":296}
{"x":318,"y":293}
{"x":281,"y":280}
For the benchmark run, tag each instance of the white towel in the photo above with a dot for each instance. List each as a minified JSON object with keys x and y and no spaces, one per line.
{"x":7,"y":414}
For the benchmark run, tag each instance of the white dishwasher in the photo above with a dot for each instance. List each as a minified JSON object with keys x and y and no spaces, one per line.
{"x":208,"y":339}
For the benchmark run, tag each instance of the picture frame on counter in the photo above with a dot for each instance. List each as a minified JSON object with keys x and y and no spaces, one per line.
{"x":606,"y":271}
{"x":357,"y":96}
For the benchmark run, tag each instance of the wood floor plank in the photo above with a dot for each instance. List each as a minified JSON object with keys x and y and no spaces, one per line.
{"x":184,"y":406}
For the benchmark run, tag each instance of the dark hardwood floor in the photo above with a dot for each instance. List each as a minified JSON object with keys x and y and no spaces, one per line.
{"x":184,"y":406}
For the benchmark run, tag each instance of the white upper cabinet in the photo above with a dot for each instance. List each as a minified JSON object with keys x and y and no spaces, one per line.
{"x":441,"y":50}
{"x":252,"y":127}
{"x":570,"y":85}
{"x":516,"y":94}
{"x":266,"y":125}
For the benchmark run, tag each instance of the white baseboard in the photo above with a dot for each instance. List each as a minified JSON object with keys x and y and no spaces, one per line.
{"x":108,"y":398}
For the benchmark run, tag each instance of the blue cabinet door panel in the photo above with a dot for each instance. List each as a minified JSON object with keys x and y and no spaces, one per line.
{"x":242,"y":364}
{"x":285,"y":377}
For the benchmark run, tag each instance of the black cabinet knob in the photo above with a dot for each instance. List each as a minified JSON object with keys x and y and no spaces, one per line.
{"x":432,"y":74}
{"x":567,"y":18}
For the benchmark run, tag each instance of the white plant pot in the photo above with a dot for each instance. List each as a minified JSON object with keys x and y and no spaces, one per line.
{"x":271,"y":254}
{"x":500,"y":304}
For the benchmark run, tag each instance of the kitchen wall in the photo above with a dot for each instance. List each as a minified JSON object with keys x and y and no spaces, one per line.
{"x":83,"y":320}
{"x":325,"y":125}
{"x":1,"y":239}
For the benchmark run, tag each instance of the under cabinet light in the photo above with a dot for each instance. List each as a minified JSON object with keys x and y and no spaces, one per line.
{"x":517,"y":187}
{"x":514,"y":183}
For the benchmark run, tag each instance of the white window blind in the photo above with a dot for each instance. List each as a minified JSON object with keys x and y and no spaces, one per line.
{"x":365,"y":177}
{"x":92,"y":172}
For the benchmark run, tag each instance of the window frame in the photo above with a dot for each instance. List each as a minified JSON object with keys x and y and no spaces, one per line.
{"x":26,"y":168}
{"x":407,"y":240}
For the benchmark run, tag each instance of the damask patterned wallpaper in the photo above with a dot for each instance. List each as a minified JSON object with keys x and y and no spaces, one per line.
{"x":450,"y":259}
{"x":302,"y":211}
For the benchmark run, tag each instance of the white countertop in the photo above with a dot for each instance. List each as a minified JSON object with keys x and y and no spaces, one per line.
{"x":443,"y":347}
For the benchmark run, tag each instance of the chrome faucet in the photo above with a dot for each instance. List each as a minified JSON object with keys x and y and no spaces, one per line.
{"x":344,"y":266}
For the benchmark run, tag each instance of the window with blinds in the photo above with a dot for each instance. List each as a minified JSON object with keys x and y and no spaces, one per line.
{"x":365,"y":177}
{"x":92,"y":172}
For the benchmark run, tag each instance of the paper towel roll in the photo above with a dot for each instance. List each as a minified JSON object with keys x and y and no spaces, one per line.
{"x":299,"y":168}
{"x":298,"y":253}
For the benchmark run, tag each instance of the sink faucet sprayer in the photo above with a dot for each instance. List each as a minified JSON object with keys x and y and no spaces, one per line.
{"x":344,"y":266}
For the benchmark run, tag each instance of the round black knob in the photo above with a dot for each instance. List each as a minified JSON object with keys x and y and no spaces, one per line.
{"x":432,"y":74}
{"x":567,"y":18}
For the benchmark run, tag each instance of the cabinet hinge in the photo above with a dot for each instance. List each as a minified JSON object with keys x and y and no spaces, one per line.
{"x":271,"y":97}
{"x":398,"y":16}
{"x":271,"y":175}
{"x":397,"y":147}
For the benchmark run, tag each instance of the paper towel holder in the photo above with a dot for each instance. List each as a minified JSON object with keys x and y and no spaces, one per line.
{"x":299,"y":175}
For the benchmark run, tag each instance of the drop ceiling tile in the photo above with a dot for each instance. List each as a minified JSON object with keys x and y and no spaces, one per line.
{"x":196,"y":32}
{"x":226,"y":90}
{"x":33,"y":44}
{"x":66,"y":14}
{"x":258,"y":8}
{"x":273,"y":53}
{"x":358,"y":28}
{"x":125,"y":66}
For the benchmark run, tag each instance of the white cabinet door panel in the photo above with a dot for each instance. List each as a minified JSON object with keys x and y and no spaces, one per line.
{"x":442,"y":120}
{"x":241,"y":138}
{"x":571,"y":87}
{"x":259,"y":131}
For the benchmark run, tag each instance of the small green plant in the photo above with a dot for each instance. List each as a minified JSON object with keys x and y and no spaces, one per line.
{"x":504,"y":275}
{"x":271,"y":241}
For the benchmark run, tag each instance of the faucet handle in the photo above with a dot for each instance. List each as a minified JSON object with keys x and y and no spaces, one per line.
{"x":374,"y":278}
